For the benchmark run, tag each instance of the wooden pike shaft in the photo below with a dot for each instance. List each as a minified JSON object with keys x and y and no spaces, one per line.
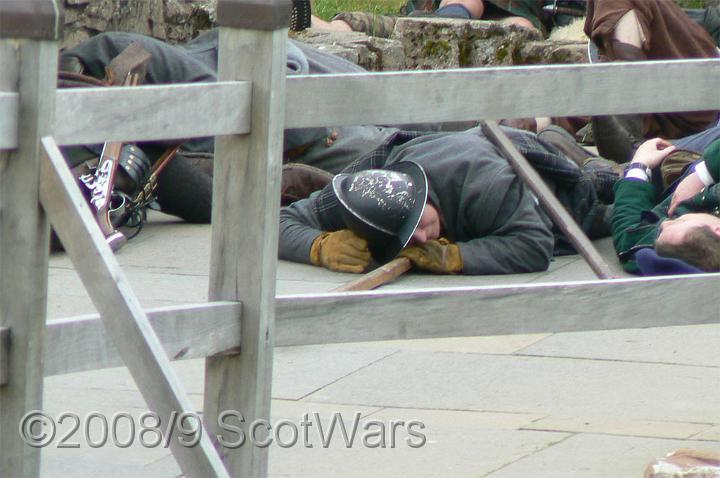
{"x":378,"y":277}
{"x":548,"y":200}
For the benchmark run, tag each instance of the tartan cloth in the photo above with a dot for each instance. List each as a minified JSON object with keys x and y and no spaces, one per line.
{"x":574,"y":187}
{"x":327,"y":206}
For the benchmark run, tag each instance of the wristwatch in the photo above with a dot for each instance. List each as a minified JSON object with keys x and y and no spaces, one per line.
{"x":639,"y":166}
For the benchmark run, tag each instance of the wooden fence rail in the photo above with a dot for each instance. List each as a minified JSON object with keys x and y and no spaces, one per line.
{"x":33,"y":172}
{"x":247,"y":111}
{"x":496,"y":93}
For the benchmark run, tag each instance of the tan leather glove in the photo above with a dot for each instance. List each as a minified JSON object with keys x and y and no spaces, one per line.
{"x":438,"y":256}
{"x":341,"y":251}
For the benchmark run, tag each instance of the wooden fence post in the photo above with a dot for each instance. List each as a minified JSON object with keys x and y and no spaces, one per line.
{"x":246,"y":202}
{"x":28,"y":65}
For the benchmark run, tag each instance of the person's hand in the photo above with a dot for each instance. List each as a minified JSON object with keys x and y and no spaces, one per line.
{"x":688,"y":187}
{"x":438,"y":256}
{"x":341,"y":251}
{"x":652,"y":152}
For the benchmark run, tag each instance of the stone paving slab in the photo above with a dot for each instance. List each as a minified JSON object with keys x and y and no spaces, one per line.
{"x":301,"y":371}
{"x":693,"y":345}
{"x":505,"y":344}
{"x":596,"y":456}
{"x":455,"y":446}
{"x":551,"y":386}
{"x":479,"y":442}
{"x":107,"y":392}
{"x":575,"y":268}
{"x":523,"y":405}
{"x":297,"y":371}
{"x":712,"y":434}
{"x":610,"y":426}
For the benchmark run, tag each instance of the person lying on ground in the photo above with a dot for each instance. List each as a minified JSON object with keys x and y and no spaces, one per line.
{"x":478,"y":218}
{"x":522,"y":13}
{"x":636,"y":30}
{"x":185,"y":186}
{"x":683,"y":226}
{"x":665,"y":175}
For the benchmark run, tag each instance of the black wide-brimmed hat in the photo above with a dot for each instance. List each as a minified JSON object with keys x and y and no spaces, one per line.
{"x":383,"y":206}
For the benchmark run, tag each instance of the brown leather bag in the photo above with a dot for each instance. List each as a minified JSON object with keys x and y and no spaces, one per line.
{"x":301,"y":180}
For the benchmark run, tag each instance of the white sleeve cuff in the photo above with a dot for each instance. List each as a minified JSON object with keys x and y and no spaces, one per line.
{"x":702,"y":171}
{"x":637,"y":173}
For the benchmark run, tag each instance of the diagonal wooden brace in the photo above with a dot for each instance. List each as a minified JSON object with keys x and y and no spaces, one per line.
{"x":4,"y":354}
{"x":120,"y":310}
{"x":547,"y":199}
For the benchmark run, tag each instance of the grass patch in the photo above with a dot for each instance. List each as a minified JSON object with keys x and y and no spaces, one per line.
{"x":692,"y":3}
{"x":326,"y":9}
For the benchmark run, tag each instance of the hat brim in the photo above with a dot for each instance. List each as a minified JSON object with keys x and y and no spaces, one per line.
{"x":384,"y":246}
{"x":398,"y":242}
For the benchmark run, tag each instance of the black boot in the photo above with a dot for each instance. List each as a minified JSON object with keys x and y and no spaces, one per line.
{"x":565,"y":143}
{"x":617,"y":137}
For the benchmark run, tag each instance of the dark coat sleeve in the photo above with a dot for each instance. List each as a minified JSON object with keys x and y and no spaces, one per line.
{"x":518,"y":239}
{"x":299,"y":227}
{"x":632,"y":198}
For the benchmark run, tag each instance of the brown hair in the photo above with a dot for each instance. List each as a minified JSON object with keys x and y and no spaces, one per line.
{"x":700,"y":248}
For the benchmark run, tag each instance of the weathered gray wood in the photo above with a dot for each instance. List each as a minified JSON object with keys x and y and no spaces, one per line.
{"x":547,"y":199}
{"x":495,"y":93}
{"x":589,"y":91}
{"x":497,"y":310}
{"x":36,"y":19}
{"x":9,"y":76}
{"x":24,"y":246}
{"x":8,"y":118}
{"x":606,"y":89}
{"x":186,"y":332}
{"x":246,"y":203}
{"x":4,"y":354}
{"x":254,"y":14}
{"x":9,"y":98}
{"x":122,"y":316}
{"x":96,"y":115}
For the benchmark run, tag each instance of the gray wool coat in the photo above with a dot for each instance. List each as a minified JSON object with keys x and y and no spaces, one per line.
{"x":484,"y":207}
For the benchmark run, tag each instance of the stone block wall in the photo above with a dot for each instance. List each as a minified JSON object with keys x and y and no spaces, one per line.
{"x":170,"y":20}
{"x":416,"y":44}
{"x":438,"y":43}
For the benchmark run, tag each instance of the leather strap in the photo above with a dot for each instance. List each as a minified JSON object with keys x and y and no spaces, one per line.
{"x":71,"y":79}
{"x":132,"y":60}
{"x":627,"y":52}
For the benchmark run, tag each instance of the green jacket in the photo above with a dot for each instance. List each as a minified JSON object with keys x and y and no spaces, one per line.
{"x":637,"y":215}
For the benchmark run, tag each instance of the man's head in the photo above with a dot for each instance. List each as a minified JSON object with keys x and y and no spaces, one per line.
{"x":693,"y":238}
{"x":428,"y":228}
{"x":384,"y":206}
